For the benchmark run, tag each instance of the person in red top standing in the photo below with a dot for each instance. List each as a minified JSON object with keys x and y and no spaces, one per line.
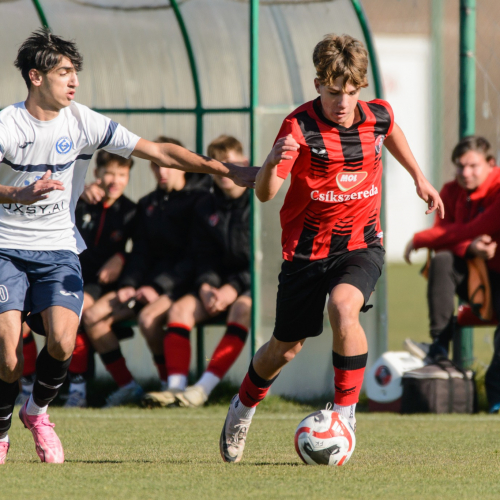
{"x":471,"y":228}
{"x":332,"y":239}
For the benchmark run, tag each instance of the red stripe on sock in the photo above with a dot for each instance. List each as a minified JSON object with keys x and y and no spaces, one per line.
{"x":80,"y":359}
{"x":348,"y":386}
{"x":29,"y":353}
{"x":251,"y":395}
{"x":119,"y":371}
{"x":177,"y":349}
{"x":225,"y":354}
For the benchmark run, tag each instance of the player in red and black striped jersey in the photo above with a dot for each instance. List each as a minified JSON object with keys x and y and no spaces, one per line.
{"x":333,"y":202}
{"x":332,"y":239}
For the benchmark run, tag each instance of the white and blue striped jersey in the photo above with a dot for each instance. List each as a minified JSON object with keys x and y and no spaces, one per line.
{"x":64,"y":145}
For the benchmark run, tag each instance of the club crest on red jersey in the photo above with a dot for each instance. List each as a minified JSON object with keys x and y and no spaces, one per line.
{"x":349,"y":180}
{"x":379,"y":141}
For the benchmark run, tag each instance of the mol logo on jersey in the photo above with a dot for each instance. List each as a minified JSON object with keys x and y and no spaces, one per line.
{"x":64,"y":145}
{"x":349,"y":180}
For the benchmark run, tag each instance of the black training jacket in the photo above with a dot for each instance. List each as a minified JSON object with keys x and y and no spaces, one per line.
{"x":105,"y":231}
{"x":161,"y":240}
{"x":221,"y":241}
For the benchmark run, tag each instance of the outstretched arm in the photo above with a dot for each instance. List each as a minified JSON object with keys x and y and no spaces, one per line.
{"x":173,"y":156}
{"x":268,"y":182}
{"x":398,"y":146}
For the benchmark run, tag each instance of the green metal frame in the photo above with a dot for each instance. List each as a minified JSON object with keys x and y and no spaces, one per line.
{"x":437,"y":22}
{"x":41,"y":14}
{"x":255,"y":226}
{"x":199,"y":111}
{"x":194,"y":73}
{"x":467,"y":67}
{"x":463,"y":340}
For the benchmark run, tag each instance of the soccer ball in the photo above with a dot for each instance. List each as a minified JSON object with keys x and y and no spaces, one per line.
{"x":325,"y":438}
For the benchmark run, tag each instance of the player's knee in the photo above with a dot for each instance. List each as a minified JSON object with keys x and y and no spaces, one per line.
{"x":284,"y":350}
{"x":442,"y":261}
{"x":289,"y":355}
{"x":179,"y":314}
{"x":240,"y":312}
{"x":90,"y":318}
{"x":12,"y":369}
{"x":146,"y":322}
{"x":61,"y":347}
{"x":345,"y":311}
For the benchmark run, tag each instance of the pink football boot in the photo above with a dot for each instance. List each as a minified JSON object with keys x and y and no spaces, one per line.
{"x":4,"y":448}
{"x":48,"y":445}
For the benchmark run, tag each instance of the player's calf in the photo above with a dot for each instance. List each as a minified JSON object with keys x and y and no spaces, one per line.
{"x":349,"y":348}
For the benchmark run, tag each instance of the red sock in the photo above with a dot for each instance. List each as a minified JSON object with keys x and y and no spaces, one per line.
{"x":254,"y":388}
{"x":177,"y":349}
{"x":159,"y":360}
{"x":116,"y":366}
{"x":228,"y":349}
{"x":349,"y":373}
{"x":80,"y":360}
{"x":29,"y":354}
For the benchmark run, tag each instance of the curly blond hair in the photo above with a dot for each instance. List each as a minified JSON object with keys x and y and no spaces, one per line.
{"x":342,"y":56}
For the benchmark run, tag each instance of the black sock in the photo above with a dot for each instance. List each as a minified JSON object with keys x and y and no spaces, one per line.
{"x":8,"y":395}
{"x":50,"y":376}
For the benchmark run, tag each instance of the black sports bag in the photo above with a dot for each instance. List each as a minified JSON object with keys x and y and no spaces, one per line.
{"x":441,"y":387}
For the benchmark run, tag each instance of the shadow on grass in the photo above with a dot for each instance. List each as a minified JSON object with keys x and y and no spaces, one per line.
{"x":104,"y":461}
{"x":281,"y":464}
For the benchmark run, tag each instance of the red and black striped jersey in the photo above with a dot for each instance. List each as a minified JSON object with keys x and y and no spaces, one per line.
{"x":333,"y":203}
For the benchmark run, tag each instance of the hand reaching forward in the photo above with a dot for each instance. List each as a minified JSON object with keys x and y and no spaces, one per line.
{"x":244,"y":176}
{"x":37,"y":191}
{"x":427,"y":192}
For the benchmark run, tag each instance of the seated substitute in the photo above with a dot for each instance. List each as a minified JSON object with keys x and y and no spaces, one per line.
{"x":151,"y":279}
{"x":470,"y":229}
{"x":221,"y":251}
{"x":105,"y":226}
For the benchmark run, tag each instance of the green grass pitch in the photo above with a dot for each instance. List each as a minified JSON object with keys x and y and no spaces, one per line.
{"x":131,"y":453}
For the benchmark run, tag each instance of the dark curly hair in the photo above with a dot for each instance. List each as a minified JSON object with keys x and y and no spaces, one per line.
{"x":43,"y":51}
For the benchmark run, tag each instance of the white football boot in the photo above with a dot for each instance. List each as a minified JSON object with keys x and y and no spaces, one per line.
{"x":160,"y":399}
{"x":76,"y":400}
{"x":131,"y":393}
{"x":193,"y":397}
{"x":234,"y":434}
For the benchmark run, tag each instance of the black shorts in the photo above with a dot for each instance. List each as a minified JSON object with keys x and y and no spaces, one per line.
{"x":304,"y":286}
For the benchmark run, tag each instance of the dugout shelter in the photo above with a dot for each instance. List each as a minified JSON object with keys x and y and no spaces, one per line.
{"x":194,"y":69}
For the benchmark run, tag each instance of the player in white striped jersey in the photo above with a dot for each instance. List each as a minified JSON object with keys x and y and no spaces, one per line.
{"x":46,"y":144}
